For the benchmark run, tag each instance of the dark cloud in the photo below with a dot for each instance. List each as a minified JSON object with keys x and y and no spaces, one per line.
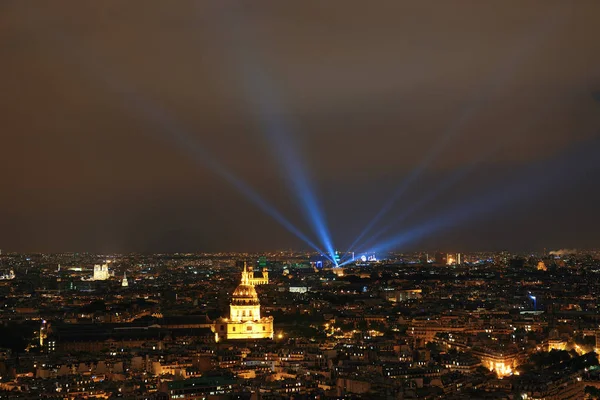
{"x":369,"y":92}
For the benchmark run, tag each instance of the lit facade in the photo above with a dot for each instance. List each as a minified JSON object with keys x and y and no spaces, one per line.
{"x":245,"y":321}
{"x":501,"y":363}
{"x":264,"y":280}
{"x":453,"y":259}
{"x":400,"y":295}
{"x":555,"y":342}
{"x":101,"y":272}
{"x":541,"y":266}
{"x":8,"y":276}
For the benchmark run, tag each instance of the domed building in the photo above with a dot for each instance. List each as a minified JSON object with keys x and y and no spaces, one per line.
{"x":244,"y":320}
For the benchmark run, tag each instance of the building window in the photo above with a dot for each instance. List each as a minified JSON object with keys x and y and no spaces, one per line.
{"x":222,"y":327}
{"x":264,"y":328}
{"x":249,"y":328}
{"x":233,"y":329}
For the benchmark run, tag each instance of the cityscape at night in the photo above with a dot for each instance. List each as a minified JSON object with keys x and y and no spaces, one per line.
{"x":227,"y":199}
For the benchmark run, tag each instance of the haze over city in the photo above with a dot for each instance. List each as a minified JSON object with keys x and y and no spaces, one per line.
{"x":120,"y":122}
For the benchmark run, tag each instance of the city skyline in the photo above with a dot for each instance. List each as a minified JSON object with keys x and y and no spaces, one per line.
{"x":308,"y":200}
{"x":452,"y":326}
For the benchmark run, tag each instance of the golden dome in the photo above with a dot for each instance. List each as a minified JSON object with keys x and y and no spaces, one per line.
{"x":245,"y":291}
{"x":245,"y":294}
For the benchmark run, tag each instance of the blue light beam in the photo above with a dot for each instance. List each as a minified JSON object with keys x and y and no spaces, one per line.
{"x":172,"y":131}
{"x":541,"y":176}
{"x":496,"y":82}
{"x":262,"y":94}
{"x":184,"y":141}
{"x":493,"y":150}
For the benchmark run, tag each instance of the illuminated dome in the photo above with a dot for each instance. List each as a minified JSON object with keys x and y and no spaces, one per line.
{"x":244,"y":294}
{"x":244,"y":320}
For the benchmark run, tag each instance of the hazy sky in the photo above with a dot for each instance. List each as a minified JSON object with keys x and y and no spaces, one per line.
{"x":115,"y":114}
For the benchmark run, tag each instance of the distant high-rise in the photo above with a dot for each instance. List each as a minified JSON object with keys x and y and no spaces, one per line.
{"x":124,"y":282}
{"x":453,"y":259}
{"x":441,"y":258}
{"x":262,"y":262}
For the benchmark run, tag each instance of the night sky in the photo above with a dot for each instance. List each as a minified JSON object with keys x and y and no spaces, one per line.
{"x":118,"y":120}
